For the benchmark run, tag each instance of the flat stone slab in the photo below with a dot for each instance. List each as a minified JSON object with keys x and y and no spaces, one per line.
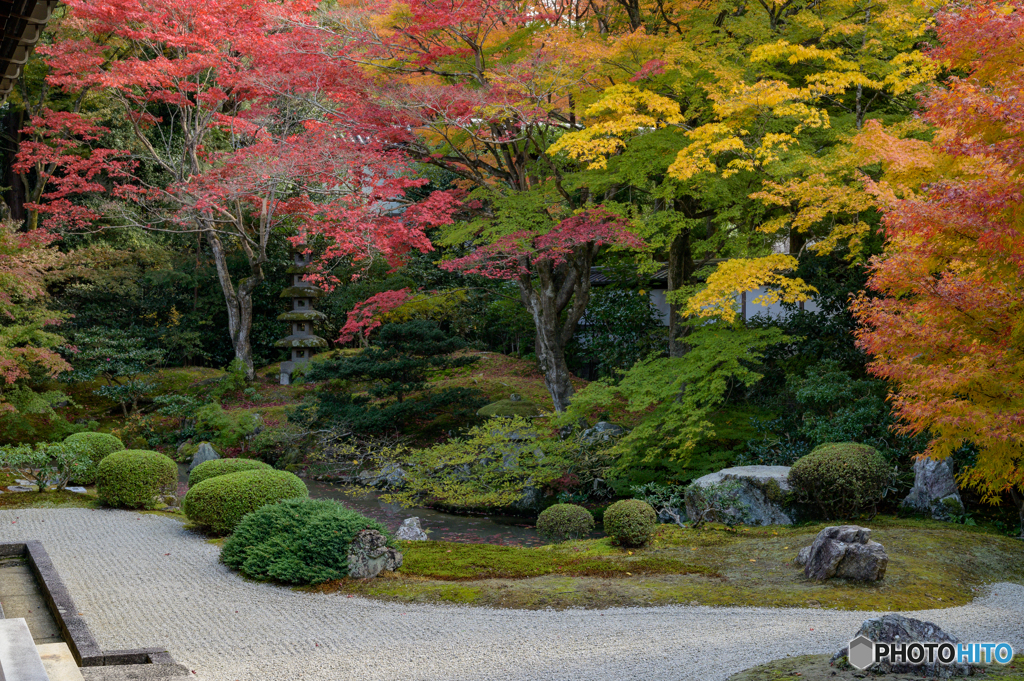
{"x":19,"y":658}
{"x":59,"y":662}
{"x":779,"y":474}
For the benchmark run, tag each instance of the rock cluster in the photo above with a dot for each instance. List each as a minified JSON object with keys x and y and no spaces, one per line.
{"x":369,"y":555}
{"x":410,"y":530}
{"x":899,"y":629}
{"x":756,"y":495}
{"x":844,"y":551}
{"x":602,"y":431}
{"x":934,"y":490}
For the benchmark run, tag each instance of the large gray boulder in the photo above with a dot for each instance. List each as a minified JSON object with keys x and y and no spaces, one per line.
{"x":900,"y":629}
{"x":410,"y":530}
{"x":934,"y":490}
{"x":753,"y":495}
{"x":369,"y":555}
{"x":602,"y":431}
{"x":205,"y":453}
{"x":844,"y":551}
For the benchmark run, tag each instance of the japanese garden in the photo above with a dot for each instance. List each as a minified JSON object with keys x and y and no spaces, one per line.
{"x":460,"y":339}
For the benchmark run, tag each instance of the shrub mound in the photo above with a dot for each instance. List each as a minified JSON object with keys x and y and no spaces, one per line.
{"x":561,"y":522}
{"x":630,"y":522}
{"x":211,"y":469}
{"x":133,"y":478}
{"x":219,"y":503}
{"x":840,"y":478}
{"x":95,"y":446}
{"x":297,"y":541}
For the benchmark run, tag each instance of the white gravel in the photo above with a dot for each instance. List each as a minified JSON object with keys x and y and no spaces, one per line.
{"x":133,"y":594}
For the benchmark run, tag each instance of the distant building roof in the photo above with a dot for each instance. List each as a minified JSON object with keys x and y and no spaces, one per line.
{"x":23,"y":22}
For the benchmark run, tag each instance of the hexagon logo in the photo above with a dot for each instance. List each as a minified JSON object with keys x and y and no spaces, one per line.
{"x":861,"y":652}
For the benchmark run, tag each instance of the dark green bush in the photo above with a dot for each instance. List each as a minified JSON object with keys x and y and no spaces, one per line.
{"x":630,"y":522}
{"x":564,"y":521}
{"x":211,"y":469}
{"x":841,"y":479}
{"x":219,"y":503}
{"x":133,"y":478}
{"x":298,"y":541}
{"x":96,"y":446}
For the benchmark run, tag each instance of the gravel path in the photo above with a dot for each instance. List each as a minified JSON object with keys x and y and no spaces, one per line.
{"x":141,"y":580}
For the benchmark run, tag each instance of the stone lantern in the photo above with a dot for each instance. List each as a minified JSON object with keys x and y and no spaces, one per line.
{"x":302,"y":342}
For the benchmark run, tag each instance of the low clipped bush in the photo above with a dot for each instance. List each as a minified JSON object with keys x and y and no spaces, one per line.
{"x":840,"y":479}
{"x":134,"y":478}
{"x":219,"y":503}
{"x":211,"y":469}
{"x":96,"y":446}
{"x":297,"y":541}
{"x":562,"y":522}
{"x":630,"y":522}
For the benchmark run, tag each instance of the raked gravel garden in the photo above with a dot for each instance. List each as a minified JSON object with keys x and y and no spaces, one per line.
{"x":144,"y":579}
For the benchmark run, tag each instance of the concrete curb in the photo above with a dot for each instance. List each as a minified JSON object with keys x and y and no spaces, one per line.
{"x":72,"y":626}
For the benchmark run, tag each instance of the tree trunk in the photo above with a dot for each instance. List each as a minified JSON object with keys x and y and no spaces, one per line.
{"x":1018,"y":501}
{"x":680,"y":269}
{"x":239,"y":304}
{"x":547,"y":296}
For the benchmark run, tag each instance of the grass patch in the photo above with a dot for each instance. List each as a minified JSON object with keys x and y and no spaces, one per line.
{"x":931,"y":565}
{"x":459,"y":562}
{"x":9,"y":500}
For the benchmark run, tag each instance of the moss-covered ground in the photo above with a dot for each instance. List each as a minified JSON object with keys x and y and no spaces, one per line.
{"x":931,"y":565}
{"x":816,"y":668}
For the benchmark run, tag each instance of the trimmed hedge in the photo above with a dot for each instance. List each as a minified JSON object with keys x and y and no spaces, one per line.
{"x":297,"y":541}
{"x":630,"y":522}
{"x":561,"y":522}
{"x":840,"y":479}
{"x":211,"y":469}
{"x":133,"y":478}
{"x":219,"y":503}
{"x":96,"y":446}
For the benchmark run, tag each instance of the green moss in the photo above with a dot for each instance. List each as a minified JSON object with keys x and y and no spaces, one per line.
{"x":305,"y":342}
{"x":301,"y":292}
{"x":817,"y":668}
{"x":931,"y":565}
{"x":297,"y":316}
{"x":509,"y":408}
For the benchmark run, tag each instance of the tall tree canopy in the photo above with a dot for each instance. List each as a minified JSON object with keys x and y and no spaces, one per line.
{"x":948,"y":327}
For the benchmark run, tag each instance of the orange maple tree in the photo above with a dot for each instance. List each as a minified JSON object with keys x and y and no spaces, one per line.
{"x":948,"y":326}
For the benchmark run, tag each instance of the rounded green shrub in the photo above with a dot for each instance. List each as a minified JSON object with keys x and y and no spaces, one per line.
{"x":134,"y":478}
{"x":840,"y":479}
{"x":211,"y":469}
{"x":630,"y":522}
{"x":561,"y":522}
{"x":297,"y":541}
{"x":219,"y":503}
{"x":95,"y":446}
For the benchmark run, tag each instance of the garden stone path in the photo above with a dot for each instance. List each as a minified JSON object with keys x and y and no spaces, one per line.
{"x":142,"y":580}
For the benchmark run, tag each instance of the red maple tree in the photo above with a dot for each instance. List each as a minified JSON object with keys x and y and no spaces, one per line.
{"x":244,"y":130}
{"x":948,"y":327}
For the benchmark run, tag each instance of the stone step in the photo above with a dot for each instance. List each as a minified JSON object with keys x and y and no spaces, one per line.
{"x":137,"y":672}
{"x":19,"y":659}
{"x":59,"y":662}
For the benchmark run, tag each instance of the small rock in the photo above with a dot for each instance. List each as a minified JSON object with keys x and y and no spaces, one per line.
{"x":410,"y":530}
{"x":844,"y":551}
{"x":76,"y":490}
{"x":21,"y":488}
{"x":900,"y":629}
{"x":205,"y":453}
{"x":934,"y":490}
{"x":369,"y":555}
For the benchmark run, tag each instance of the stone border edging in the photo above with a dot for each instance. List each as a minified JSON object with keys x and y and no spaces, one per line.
{"x":72,"y":626}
